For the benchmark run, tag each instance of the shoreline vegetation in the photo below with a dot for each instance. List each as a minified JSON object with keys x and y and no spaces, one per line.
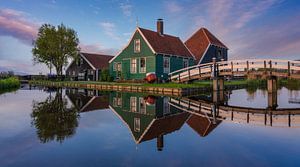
{"x":293,"y":84}
{"x":9,"y":84}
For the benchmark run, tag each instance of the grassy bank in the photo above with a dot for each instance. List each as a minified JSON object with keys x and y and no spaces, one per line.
{"x":7,"y":84}
{"x":198,"y":84}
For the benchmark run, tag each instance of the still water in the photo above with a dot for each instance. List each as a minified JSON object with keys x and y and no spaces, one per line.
{"x":68,"y":127}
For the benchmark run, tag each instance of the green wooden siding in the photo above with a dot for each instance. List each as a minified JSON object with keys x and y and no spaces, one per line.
{"x":176,"y":63}
{"x":128,"y":53}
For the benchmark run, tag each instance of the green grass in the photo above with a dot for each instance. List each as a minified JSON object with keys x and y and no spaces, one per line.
{"x":249,"y":84}
{"x":9,"y":83}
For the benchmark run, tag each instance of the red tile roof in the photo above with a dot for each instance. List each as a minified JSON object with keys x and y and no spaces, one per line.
{"x":97,"y":60}
{"x":202,"y":125}
{"x":165,"y":43}
{"x":97,"y":103}
{"x":165,"y":125}
{"x":199,"y":42}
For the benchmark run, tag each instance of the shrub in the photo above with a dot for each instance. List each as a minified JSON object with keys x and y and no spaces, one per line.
{"x":9,"y":83}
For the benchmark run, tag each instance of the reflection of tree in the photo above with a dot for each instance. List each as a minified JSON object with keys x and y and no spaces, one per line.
{"x":53,"y":119}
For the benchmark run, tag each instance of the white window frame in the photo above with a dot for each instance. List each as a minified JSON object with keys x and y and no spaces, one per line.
{"x":117,"y":66}
{"x":187,"y":63}
{"x":133,"y":69}
{"x":142,"y":102}
{"x":133,"y":105}
{"x":137,"y":124}
{"x":137,"y":46}
{"x":166,"y":69}
{"x":144,"y":68}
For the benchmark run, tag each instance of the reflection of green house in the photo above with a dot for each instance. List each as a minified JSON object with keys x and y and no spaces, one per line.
{"x":147,"y":121}
{"x":150,"y":51}
{"x":87,"y":100}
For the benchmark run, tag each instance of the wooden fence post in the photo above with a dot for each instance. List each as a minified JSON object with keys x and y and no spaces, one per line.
{"x":199,"y":72}
{"x":232,"y":68}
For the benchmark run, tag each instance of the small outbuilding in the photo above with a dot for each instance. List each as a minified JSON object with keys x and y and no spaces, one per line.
{"x":205,"y":46}
{"x":88,"y":67}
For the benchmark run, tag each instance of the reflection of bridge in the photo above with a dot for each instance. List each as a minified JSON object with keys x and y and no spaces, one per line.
{"x":269,"y":116}
{"x":238,"y":68}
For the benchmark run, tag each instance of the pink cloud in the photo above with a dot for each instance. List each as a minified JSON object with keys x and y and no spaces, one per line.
{"x":97,"y":48}
{"x":14,"y":23}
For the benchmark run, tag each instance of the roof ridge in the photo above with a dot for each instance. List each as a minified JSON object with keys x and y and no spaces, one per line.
{"x":205,"y":34}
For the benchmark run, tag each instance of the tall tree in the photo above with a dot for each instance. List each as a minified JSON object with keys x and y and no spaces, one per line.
{"x":54,"y":46}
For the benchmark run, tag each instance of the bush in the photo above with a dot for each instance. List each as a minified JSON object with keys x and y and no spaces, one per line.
{"x":105,"y":76}
{"x":9,"y":83}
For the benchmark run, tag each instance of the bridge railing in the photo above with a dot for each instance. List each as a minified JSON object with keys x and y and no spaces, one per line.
{"x":191,"y":71}
{"x":235,"y":66}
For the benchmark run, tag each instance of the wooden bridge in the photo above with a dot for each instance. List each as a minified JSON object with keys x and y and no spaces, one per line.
{"x":238,"y":68}
{"x":258,"y":116}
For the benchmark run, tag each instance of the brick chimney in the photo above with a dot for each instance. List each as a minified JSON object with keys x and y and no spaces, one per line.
{"x":160,"y":26}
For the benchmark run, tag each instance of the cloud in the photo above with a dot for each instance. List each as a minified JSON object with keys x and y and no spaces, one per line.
{"x":173,"y":7}
{"x":249,"y":28}
{"x":14,"y":23}
{"x":110,"y":30}
{"x":126,"y":9}
{"x":97,"y":48}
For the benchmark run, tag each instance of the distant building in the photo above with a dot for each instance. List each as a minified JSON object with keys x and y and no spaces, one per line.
{"x":204,"y":46}
{"x":150,"y":51}
{"x":88,"y":67}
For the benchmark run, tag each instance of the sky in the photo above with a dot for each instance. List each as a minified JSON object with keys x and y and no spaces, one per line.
{"x":249,"y":28}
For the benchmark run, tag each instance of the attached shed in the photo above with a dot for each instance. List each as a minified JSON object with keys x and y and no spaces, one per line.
{"x":205,"y":46}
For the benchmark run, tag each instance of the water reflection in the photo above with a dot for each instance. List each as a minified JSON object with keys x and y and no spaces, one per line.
{"x":54,"y":119}
{"x":154,"y":117}
{"x":147,"y":117}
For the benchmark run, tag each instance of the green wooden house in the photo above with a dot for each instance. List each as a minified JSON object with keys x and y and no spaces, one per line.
{"x":147,"y":121}
{"x":150,"y":51}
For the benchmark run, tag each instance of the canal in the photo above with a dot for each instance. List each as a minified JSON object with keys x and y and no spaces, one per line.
{"x":42,"y":126}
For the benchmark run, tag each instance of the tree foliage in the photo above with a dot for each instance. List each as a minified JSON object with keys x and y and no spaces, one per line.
{"x":54,"y":46}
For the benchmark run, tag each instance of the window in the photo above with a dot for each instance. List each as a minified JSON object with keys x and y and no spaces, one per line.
{"x":220,"y":54}
{"x":143,"y":65}
{"x":166,"y":65}
{"x":142,"y":106}
{"x":79,"y":62}
{"x":137,"y":46}
{"x":137,"y":124}
{"x":133,"y":66}
{"x":117,"y":66}
{"x":133,"y":104}
{"x":185,"y":63}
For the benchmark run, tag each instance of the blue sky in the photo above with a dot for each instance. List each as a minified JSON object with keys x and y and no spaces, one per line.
{"x":251,"y":29}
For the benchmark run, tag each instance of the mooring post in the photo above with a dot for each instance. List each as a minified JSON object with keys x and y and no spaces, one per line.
{"x":272,"y":92}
